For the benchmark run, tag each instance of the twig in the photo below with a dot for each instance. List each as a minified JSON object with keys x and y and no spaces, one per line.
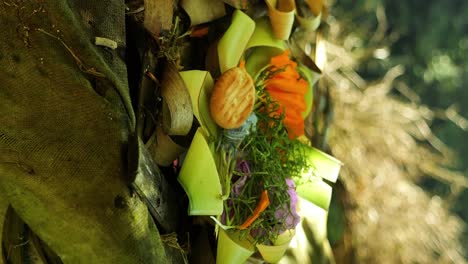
{"x":171,"y":241}
{"x":136,"y":11}
{"x":81,"y":66}
{"x":12,"y":247}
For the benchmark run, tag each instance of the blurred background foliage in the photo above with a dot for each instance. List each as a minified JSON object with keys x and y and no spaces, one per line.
{"x":430,"y":39}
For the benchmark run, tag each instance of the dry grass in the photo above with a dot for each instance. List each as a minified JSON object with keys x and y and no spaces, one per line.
{"x":386,"y":144}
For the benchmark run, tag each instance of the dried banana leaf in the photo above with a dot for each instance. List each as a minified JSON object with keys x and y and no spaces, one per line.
{"x":238,"y":4}
{"x":151,"y":186}
{"x":158,"y":16}
{"x":177,"y":114}
{"x":309,"y":23}
{"x":281,"y":14}
{"x":163,"y":149}
{"x":316,"y":6}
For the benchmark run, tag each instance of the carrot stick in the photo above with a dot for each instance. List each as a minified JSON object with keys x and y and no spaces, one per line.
{"x":287,"y":85}
{"x":282,"y":59}
{"x":262,"y":205}
{"x":242,"y":64}
{"x":199,"y":32}
{"x":288,"y":89}
{"x":293,"y":88}
{"x":294,"y":101}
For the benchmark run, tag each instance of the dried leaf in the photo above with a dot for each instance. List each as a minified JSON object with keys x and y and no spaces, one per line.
{"x":281,"y":16}
{"x":177,"y":114}
{"x":298,"y":53}
{"x":309,"y":23}
{"x":158,"y":16}
{"x":238,"y":4}
{"x":163,"y":149}
{"x":315,"y":6}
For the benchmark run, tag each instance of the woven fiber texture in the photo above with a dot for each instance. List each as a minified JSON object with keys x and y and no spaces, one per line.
{"x":3,"y":208}
{"x":65,"y":115}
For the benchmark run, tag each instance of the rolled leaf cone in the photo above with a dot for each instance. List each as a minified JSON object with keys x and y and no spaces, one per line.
{"x":200,"y":84}
{"x":313,"y":221}
{"x":263,"y":36}
{"x":263,"y":45}
{"x":281,"y":14}
{"x":316,"y":192}
{"x":311,"y":78}
{"x":258,"y":59}
{"x":285,"y":237}
{"x":177,"y":113}
{"x":309,"y":23}
{"x":234,"y":41}
{"x":324,"y":165}
{"x":163,"y":149}
{"x":274,"y":253}
{"x":202,"y":11}
{"x":200,"y":180}
{"x":232,"y":250}
{"x":316,"y":6}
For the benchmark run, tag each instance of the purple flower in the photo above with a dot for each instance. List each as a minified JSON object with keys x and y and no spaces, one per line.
{"x":258,"y":232}
{"x":289,"y":215}
{"x":238,"y":186}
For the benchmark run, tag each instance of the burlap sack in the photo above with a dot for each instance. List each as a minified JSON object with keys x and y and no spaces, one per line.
{"x":65,"y":114}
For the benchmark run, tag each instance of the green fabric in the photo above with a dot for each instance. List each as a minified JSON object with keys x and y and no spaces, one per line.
{"x":3,"y":209}
{"x":63,"y":132}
